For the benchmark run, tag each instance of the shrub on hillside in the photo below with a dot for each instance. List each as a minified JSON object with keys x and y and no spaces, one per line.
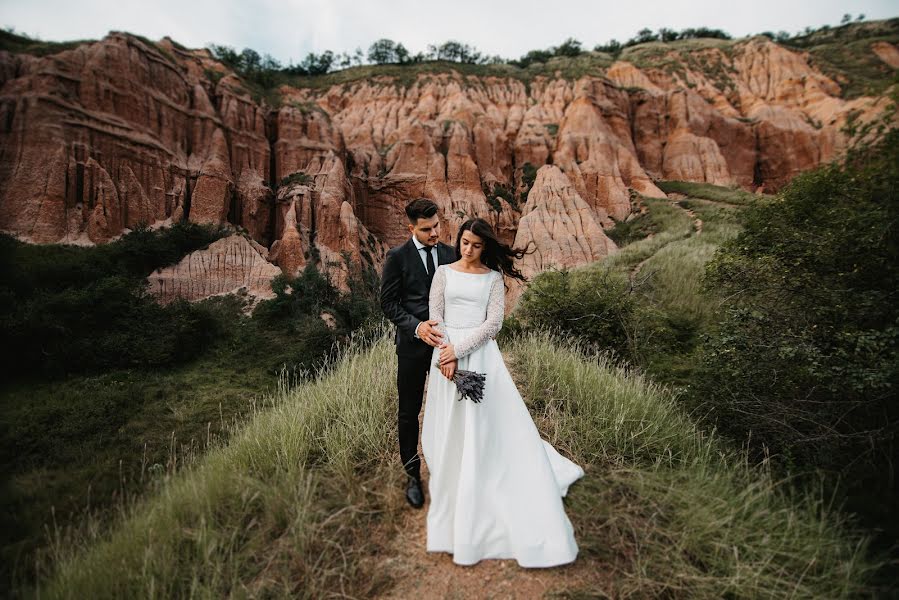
{"x":805,"y":359}
{"x":300,"y":303}
{"x":596,"y":306}
{"x":69,"y":309}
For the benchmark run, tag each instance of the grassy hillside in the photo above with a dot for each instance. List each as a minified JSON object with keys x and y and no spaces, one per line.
{"x":290,"y":506}
{"x":286,"y":508}
{"x":300,"y":495}
{"x":108,"y":392}
{"x":774,"y":319}
{"x":644,"y":301}
{"x":679,"y":513}
{"x":844,"y":54}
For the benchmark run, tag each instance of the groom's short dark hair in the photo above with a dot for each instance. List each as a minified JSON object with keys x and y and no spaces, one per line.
{"x":420,"y":208}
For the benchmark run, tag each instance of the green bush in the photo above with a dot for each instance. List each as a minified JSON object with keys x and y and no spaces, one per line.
{"x":596,"y":306}
{"x":68,"y":309}
{"x":638,"y":228}
{"x":528,"y":177}
{"x":804,"y":359}
{"x":298,"y":177}
{"x":301,"y":301}
{"x":26,"y":268}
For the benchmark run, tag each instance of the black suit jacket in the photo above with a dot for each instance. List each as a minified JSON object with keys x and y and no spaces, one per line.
{"x":404,"y":293}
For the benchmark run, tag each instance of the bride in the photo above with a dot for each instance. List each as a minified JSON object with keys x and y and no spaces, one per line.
{"x":496,"y":487}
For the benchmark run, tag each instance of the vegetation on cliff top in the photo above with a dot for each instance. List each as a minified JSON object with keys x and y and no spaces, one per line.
{"x":842,"y":52}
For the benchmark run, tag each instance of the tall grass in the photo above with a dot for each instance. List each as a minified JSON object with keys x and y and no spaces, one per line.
{"x":665,"y":271}
{"x":720,"y":221}
{"x":676,"y":279}
{"x":675,"y":512}
{"x":673,"y":224}
{"x":287,"y":508}
{"x":292,"y":506}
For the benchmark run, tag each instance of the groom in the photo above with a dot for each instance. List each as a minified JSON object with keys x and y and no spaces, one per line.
{"x":405,"y":286}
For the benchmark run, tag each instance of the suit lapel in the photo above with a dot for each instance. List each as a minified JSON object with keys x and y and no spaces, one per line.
{"x":415,"y":257}
{"x":443,"y":254}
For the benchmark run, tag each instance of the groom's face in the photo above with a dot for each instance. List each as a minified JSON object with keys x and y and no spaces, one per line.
{"x":426,"y":230}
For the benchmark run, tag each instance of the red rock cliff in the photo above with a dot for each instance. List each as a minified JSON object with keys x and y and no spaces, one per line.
{"x":96,"y":139}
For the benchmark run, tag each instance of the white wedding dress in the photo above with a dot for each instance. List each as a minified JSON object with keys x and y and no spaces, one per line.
{"x":496,"y":487}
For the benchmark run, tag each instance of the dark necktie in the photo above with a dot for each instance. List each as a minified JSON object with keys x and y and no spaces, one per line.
{"x":430,"y":263}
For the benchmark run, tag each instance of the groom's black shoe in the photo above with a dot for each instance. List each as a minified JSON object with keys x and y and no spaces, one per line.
{"x":414,"y":494}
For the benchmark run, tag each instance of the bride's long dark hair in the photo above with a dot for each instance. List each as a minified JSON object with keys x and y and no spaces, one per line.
{"x":495,"y":254}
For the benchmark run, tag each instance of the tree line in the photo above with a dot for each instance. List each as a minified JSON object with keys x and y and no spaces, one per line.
{"x":262,"y":68}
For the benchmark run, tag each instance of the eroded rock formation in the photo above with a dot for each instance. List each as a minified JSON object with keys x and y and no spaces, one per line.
{"x":109,"y":134}
{"x":226,"y":266}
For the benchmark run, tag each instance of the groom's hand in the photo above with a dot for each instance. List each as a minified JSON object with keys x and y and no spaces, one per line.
{"x":428,"y":332}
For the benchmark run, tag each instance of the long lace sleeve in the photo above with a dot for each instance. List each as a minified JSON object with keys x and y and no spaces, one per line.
{"x":491,"y":325}
{"x":437,"y":300}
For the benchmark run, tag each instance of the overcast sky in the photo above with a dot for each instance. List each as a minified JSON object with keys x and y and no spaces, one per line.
{"x":289,"y":29}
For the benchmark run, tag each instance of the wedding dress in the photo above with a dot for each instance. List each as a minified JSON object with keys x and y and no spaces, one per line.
{"x":496,"y":487}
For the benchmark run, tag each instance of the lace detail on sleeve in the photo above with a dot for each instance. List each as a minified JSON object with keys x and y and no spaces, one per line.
{"x":437,"y":300}
{"x":492,"y":324}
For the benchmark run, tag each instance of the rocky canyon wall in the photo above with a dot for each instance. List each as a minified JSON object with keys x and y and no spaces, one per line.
{"x":99,"y":138}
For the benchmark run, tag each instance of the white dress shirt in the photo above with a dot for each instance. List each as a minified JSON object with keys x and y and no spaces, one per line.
{"x":421,"y":255}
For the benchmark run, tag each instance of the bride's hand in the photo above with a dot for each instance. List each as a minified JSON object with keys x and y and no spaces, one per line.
{"x":447,"y":354}
{"x":448,"y":370}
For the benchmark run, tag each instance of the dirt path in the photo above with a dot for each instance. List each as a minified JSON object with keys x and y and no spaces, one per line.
{"x":639,"y":266}
{"x":424,"y":575}
{"x":697,"y":222}
{"x":697,"y":228}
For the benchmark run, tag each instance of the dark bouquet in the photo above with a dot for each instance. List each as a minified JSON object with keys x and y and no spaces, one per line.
{"x":469,"y":384}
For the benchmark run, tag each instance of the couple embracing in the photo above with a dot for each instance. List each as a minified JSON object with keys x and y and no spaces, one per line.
{"x":495,"y":485}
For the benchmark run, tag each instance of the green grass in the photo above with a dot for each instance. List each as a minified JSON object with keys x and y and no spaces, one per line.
{"x":635,"y":229}
{"x":287,"y":508}
{"x":656,"y":54}
{"x":669,"y":223}
{"x":844,"y":54}
{"x":672,"y":313}
{"x":291,"y":505}
{"x":720,"y":221}
{"x":855,"y":67}
{"x":81,"y":443}
{"x":708,"y":191}
{"x":677,"y":513}
{"x":675,"y":285}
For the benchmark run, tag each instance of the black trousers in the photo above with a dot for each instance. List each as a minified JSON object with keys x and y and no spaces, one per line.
{"x":410,"y":383}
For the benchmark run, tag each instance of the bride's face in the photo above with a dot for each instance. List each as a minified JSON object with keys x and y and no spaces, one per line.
{"x":471,"y":247}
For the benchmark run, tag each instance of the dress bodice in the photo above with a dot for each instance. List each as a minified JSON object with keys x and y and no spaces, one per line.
{"x":469,"y":301}
{"x":466,"y":298}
